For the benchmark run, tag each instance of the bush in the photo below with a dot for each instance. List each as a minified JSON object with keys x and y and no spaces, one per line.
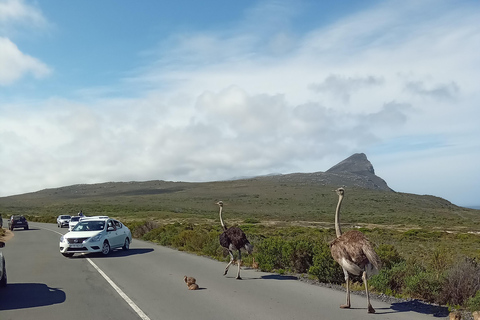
{"x":190,"y":240}
{"x":163,"y":235}
{"x":44,"y":219}
{"x":297,"y":255}
{"x":275,"y":253}
{"x":424,"y":285}
{"x":388,"y":255}
{"x":269,"y":254}
{"x":140,"y":228}
{"x":462,"y":282}
{"x":473,"y":303}
{"x":392,"y":281}
{"x":324,"y":267}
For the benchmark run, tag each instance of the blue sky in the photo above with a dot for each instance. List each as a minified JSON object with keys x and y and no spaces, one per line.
{"x":97,"y":91}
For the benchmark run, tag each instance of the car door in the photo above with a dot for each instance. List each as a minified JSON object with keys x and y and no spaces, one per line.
{"x":112,"y":234}
{"x":122,"y":232}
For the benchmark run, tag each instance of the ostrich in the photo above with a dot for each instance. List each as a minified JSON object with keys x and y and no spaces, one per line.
{"x":354,"y":252}
{"x":191,"y":283}
{"x":233,"y":239}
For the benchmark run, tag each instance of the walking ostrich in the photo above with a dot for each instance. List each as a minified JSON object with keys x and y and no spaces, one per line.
{"x":354,"y":252}
{"x":233,"y":239}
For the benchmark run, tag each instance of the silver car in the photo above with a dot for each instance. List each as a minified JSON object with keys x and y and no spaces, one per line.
{"x":95,"y":234}
{"x":63,"y":220}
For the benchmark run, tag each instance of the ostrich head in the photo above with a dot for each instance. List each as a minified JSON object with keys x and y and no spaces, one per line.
{"x":220,"y":203}
{"x":340,"y":191}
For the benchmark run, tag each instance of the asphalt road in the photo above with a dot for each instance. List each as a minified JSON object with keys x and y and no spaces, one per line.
{"x":146,"y":282}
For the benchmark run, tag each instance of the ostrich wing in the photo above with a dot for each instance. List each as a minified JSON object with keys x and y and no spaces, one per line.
{"x":353,"y":251}
{"x":237,"y":237}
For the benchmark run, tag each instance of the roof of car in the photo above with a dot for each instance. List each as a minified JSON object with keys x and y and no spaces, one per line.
{"x":95,"y":218}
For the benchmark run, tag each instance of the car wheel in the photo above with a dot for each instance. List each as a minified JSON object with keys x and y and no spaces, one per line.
{"x":3,"y":281}
{"x":126,"y":246}
{"x":105,"y":248}
{"x":68,"y":255}
{"x":26,"y":228}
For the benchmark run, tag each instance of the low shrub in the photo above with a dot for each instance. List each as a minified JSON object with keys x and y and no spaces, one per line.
{"x":392,"y":281}
{"x":423,"y":285}
{"x":462,"y":282}
{"x":324,"y":268}
{"x":298,"y":255}
{"x":269,"y":254}
{"x":388,"y":255}
{"x":140,"y":228}
{"x":473,"y":303}
{"x":44,"y":219}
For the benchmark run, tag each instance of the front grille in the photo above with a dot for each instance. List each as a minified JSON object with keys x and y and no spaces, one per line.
{"x":76,"y":240}
{"x":77,"y":249}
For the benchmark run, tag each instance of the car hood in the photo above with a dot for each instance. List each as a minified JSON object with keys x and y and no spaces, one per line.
{"x":81,"y":234}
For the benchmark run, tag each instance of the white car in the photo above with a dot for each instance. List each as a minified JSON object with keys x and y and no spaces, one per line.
{"x":63,"y":220}
{"x":95,"y":234}
{"x":73,"y":222}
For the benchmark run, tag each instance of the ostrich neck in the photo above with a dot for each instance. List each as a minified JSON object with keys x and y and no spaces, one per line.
{"x":338,"y":231}
{"x":221,"y":220}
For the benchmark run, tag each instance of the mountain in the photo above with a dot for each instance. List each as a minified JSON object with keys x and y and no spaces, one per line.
{"x":304,"y":197}
{"x":359,"y":166}
{"x":355,"y":171}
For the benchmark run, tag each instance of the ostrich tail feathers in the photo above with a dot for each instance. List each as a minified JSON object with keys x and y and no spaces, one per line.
{"x":249,"y":247}
{"x":373,"y":258}
{"x":351,"y":267}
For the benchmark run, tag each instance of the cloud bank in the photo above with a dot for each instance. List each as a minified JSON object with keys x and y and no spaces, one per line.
{"x":398,"y":81}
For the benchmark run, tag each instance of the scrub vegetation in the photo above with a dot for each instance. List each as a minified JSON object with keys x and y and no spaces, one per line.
{"x":430,"y":248}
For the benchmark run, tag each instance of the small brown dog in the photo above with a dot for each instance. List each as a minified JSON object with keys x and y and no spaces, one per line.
{"x":191,"y":283}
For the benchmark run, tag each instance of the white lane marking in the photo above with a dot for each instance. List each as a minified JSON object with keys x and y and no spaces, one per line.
{"x":132,"y":304}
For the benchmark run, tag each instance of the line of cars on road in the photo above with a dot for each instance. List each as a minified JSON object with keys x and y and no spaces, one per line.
{"x":87,"y":235}
{"x":65,"y":220}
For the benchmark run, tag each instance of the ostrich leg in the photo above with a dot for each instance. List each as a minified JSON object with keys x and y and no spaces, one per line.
{"x":239,"y":263}
{"x":369,"y":306}
{"x":347,"y":281}
{"x":231,"y":261}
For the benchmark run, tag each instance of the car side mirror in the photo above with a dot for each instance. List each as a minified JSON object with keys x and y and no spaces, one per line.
{"x":111,"y":229}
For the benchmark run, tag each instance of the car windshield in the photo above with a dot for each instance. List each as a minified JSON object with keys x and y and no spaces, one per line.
{"x":89,"y":226}
{"x":64,"y":217}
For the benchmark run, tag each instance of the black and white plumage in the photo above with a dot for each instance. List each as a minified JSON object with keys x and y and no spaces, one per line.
{"x":233,"y":239}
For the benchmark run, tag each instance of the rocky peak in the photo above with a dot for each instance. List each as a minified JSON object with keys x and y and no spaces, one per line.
{"x":356,"y":163}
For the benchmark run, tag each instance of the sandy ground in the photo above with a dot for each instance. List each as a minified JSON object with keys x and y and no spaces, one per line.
{"x":8,"y":235}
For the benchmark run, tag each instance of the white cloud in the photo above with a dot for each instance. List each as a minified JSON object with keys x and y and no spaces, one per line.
{"x":398,"y":82}
{"x":14,"y":64}
{"x":16,"y":15}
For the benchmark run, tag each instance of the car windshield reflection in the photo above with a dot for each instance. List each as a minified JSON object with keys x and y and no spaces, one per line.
{"x":89,"y":226}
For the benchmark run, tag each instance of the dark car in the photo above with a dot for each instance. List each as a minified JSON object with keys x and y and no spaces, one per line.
{"x":3,"y":268}
{"x":17,"y":222}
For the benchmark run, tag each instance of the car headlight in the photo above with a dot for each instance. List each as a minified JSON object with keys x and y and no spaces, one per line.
{"x":62,"y":238}
{"x":95,"y":238}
